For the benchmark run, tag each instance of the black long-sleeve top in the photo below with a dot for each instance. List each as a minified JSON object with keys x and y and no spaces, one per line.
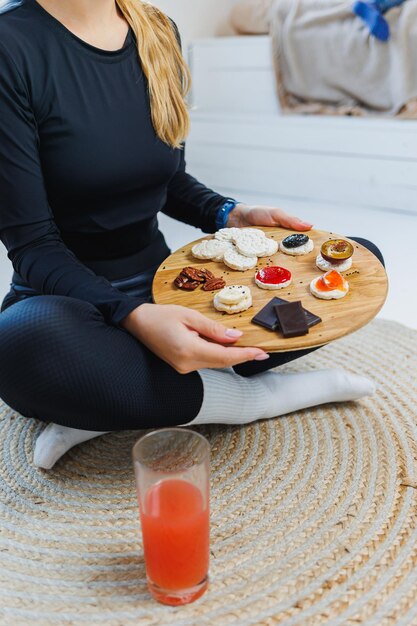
{"x":82,"y":172}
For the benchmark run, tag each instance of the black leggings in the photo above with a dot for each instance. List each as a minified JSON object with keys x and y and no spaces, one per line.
{"x":61,"y":362}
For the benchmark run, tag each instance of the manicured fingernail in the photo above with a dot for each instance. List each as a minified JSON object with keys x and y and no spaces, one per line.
{"x":232,"y":333}
{"x":262,"y":357}
{"x":305,"y":223}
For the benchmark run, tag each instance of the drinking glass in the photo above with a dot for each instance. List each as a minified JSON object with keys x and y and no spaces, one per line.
{"x":172,"y":472}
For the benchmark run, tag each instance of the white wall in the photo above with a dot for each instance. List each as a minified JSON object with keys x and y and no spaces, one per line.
{"x":198,"y":18}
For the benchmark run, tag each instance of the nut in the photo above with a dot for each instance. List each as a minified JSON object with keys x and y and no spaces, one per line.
{"x":190,"y":285}
{"x":192,"y":277}
{"x":180,"y":281}
{"x":183,"y":282}
{"x":213,"y":284}
{"x":206,"y":273}
{"x":194,"y":274}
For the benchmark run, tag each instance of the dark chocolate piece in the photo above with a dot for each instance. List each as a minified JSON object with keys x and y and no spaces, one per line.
{"x":292,"y":319}
{"x":267,"y":317}
{"x":312,"y":319}
{"x":295,"y":240}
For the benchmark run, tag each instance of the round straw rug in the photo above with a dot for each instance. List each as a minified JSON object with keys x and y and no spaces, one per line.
{"x":314,"y":517}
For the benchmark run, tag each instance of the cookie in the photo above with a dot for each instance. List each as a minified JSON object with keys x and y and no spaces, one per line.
{"x":245,"y":304}
{"x":233,"y":294}
{"x":330,"y":286}
{"x":271,"y":247}
{"x":296,"y":245}
{"x":226,"y":234}
{"x":233,"y":299}
{"x":250,"y":244}
{"x":237,"y":261}
{"x":273,"y":277}
{"x":253,"y":232}
{"x":325,"y":266}
{"x":211,"y":249}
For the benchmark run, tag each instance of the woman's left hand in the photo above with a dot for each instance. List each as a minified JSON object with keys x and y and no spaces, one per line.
{"x":244,"y":215}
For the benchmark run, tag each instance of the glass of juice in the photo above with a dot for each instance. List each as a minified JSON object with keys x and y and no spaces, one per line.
{"x":172,"y":471}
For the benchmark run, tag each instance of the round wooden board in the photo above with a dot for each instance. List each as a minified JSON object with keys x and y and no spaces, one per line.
{"x":367,"y":280}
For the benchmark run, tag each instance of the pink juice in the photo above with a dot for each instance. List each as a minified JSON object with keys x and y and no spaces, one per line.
{"x":175,"y":529}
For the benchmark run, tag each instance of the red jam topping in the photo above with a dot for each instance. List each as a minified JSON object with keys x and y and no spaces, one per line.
{"x":331,"y":280}
{"x":273,"y":275}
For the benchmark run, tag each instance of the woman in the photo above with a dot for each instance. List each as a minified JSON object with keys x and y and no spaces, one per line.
{"x":92,"y":122}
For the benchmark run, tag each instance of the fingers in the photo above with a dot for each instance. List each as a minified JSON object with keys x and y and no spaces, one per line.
{"x":211,"y":329}
{"x":293,"y":223}
{"x":200,"y":353}
{"x":195,"y":352}
{"x":214,"y":355}
{"x":298,"y":224}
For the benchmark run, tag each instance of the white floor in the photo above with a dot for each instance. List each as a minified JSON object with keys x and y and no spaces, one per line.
{"x":389,"y":233}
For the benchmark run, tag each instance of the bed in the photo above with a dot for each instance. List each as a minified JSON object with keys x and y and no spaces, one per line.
{"x":240,"y":139}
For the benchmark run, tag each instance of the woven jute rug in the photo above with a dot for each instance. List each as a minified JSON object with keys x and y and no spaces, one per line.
{"x":314,"y":516}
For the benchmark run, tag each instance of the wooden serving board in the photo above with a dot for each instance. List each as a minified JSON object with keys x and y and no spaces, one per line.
{"x":367,"y":280}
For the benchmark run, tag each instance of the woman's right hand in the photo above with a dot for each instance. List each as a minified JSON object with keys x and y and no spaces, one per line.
{"x":179,"y":336}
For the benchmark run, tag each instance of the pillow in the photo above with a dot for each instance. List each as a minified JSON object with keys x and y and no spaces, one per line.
{"x":251,"y":17}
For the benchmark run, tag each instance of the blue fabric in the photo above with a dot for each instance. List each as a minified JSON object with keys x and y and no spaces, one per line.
{"x":385,"y":5}
{"x":371,"y":13}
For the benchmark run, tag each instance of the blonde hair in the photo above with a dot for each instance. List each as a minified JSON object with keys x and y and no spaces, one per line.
{"x":166,"y":71}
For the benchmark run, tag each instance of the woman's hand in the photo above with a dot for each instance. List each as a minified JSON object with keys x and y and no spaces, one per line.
{"x":244,"y":215}
{"x":179,"y":337}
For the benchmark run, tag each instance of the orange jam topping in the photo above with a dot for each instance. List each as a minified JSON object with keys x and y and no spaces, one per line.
{"x":331,"y":280}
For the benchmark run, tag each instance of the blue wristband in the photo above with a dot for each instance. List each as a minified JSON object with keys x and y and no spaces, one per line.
{"x":223,"y":213}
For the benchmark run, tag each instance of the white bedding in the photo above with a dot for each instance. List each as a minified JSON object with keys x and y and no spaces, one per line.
{"x":251,"y":17}
{"x":326,"y":62}
{"x":324,"y":55}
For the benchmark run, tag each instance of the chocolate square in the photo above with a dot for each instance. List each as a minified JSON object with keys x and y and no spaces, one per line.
{"x":312,"y":319}
{"x":267,"y":316}
{"x":292,"y":319}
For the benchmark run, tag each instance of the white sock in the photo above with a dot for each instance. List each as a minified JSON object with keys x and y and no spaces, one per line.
{"x":232,"y":399}
{"x":54,"y":441}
